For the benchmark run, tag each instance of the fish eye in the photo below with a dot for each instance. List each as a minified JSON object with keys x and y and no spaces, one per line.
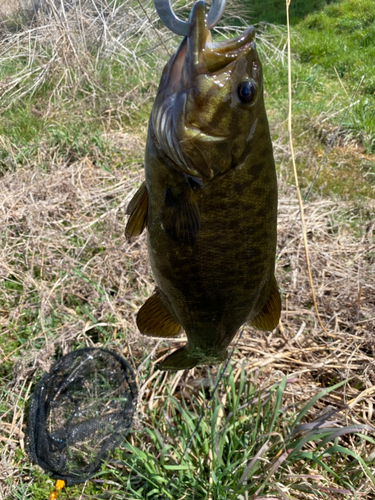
{"x":246,"y":91}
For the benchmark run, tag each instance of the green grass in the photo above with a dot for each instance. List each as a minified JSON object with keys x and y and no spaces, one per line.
{"x":245,"y":445}
{"x":332,"y":48}
{"x":340,"y":40}
{"x":273,"y":11}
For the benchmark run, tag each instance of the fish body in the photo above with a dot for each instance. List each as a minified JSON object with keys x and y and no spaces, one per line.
{"x":209,"y":199}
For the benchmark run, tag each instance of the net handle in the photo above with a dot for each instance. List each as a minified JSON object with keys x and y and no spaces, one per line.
{"x":59,"y":485}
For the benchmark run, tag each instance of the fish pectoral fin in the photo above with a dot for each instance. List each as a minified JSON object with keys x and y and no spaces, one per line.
{"x":154,"y":319}
{"x":179,"y":360}
{"x":268,"y":318}
{"x":180,"y":215}
{"x":137,"y":209}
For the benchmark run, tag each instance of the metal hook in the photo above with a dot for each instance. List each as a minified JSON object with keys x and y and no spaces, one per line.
{"x":171,"y":21}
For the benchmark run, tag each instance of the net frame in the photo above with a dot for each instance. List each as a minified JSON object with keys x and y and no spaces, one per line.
{"x":68,"y":434}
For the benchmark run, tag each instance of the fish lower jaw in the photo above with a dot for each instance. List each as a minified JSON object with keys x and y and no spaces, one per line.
{"x":191,"y":133}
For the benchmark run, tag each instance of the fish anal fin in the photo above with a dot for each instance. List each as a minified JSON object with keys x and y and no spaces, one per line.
{"x":268,"y":318}
{"x":137,"y":209}
{"x":155,"y":320}
{"x":179,"y":360}
{"x":180,"y":215}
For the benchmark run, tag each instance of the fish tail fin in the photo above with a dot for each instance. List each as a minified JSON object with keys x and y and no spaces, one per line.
{"x":182,"y":359}
{"x":186,"y":358}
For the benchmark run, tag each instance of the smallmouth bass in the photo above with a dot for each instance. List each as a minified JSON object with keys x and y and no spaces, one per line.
{"x":209,"y":199}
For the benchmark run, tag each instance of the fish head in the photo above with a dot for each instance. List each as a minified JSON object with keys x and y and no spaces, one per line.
{"x":209,"y":100}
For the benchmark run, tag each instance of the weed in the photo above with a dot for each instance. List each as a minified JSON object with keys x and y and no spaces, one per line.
{"x":245,"y":446}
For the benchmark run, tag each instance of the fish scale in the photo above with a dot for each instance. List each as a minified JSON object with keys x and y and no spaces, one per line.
{"x":211,"y":234}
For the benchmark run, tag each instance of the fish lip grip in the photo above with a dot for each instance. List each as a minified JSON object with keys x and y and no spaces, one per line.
{"x":172,"y":22}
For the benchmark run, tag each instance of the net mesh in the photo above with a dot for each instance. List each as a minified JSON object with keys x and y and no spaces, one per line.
{"x":80,"y":411}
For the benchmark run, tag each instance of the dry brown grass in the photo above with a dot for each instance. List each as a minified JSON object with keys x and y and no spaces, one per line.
{"x":75,"y":43}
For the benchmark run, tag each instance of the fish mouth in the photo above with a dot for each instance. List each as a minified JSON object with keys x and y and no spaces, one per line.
{"x":192,"y":113}
{"x":196,"y":133}
{"x":207,"y":56}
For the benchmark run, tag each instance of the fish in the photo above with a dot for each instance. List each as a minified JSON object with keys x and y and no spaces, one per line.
{"x":209,"y":199}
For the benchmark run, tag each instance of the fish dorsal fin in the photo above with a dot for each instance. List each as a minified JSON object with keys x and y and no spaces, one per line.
{"x":154,"y":319}
{"x":180,"y":215}
{"x":268,"y":318}
{"x":137,"y":209}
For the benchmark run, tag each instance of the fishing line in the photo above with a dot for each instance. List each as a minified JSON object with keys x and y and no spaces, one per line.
{"x":308,"y":192}
{"x":300,"y":201}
